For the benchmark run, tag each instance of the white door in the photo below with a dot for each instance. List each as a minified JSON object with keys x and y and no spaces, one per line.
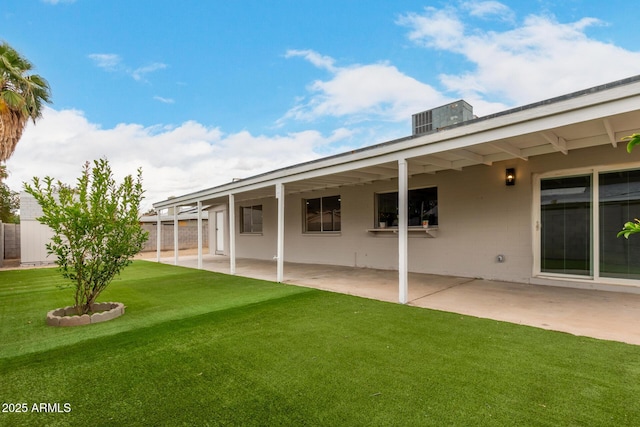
{"x":220,"y":233}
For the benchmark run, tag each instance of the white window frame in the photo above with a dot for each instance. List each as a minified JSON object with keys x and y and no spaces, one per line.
{"x":595,"y":221}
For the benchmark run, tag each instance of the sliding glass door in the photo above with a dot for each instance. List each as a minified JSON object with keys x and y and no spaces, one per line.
{"x":565,"y":205}
{"x":580,"y":217}
{"x":619,"y":202}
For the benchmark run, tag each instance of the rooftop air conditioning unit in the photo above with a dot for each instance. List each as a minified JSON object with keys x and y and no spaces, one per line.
{"x":440,"y":117}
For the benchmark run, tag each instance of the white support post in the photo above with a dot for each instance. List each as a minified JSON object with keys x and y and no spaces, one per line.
{"x":199,"y":235}
{"x":280,"y":242}
{"x":159,"y":236}
{"x":175,"y":235}
{"x":403,"y":276}
{"x":231,"y":212}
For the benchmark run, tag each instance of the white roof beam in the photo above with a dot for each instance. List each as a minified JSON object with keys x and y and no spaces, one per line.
{"x":558,"y":143}
{"x":509,"y":149}
{"x":436,"y":161}
{"x":474,"y":157}
{"x":331,"y":179}
{"x":611,"y":132}
{"x":360,"y":176}
{"x":312,"y":188}
{"x":380,"y":169}
{"x":431,"y":169}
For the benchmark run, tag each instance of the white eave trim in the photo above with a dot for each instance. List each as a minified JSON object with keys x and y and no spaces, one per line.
{"x":539,"y":118}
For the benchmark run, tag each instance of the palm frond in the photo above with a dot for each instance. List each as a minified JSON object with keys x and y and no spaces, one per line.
{"x":22,"y":96}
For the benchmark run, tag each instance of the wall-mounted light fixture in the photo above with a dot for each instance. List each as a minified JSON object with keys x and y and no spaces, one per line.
{"x":510,"y":177}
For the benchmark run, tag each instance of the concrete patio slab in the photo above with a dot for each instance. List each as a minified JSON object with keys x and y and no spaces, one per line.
{"x":598,"y":314}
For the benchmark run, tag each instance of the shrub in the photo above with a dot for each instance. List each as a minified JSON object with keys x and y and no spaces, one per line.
{"x":95,"y":224}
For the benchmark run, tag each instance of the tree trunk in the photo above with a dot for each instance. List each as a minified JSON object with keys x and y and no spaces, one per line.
{"x":11,"y":126}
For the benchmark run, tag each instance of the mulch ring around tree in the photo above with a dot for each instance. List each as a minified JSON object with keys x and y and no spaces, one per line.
{"x":68,"y":316}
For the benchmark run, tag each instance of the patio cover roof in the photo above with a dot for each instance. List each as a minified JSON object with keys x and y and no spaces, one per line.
{"x":597,"y":116}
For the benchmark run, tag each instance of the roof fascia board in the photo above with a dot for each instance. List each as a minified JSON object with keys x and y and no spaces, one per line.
{"x":577,"y":109}
{"x":522,"y":127}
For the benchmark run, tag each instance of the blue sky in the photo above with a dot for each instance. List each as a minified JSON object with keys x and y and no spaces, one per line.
{"x":200,"y":92}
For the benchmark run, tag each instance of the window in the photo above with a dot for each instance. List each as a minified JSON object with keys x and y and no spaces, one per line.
{"x":580,"y":217}
{"x":322,"y":214}
{"x":422,"y":206}
{"x":251,"y":219}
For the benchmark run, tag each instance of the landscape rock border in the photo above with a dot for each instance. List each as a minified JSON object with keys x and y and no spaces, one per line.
{"x":67,"y":316}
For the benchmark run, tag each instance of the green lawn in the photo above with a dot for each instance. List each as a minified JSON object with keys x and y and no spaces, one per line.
{"x":200,"y":348}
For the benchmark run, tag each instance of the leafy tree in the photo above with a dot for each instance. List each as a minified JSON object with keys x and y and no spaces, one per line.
{"x":95,"y":224}
{"x":9,"y":200}
{"x":21,"y":97}
{"x":631,"y":227}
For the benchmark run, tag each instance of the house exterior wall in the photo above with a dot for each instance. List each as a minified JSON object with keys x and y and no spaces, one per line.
{"x":258,"y":245}
{"x":479,"y":218}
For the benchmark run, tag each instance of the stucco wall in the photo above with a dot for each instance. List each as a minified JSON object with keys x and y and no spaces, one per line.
{"x":259,"y":245}
{"x":479,"y":218}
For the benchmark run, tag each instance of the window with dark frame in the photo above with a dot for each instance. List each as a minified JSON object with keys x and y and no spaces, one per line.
{"x":251,"y":219}
{"x":322,"y":214}
{"x":422,"y":206}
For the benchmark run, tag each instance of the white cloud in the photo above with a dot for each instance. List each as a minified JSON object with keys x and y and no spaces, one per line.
{"x":164,"y":100}
{"x":138,"y":73}
{"x":107,"y":61}
{"x":362,"y":92}
{"x":527,"y":61}
{"x":315,"y":58}
{"x":536,"y":59}
{"x":175,"y":160}
{"x":489,"y":9}
{"x":440,"y":29}
{"x":112,"y":62}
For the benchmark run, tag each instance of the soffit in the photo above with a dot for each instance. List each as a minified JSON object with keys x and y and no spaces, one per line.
{"x":606,"y":131}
